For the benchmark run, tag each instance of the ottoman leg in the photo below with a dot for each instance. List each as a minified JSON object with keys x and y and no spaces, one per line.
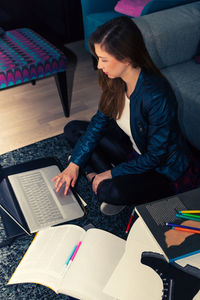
{"x":64,"y":81}
{"x":61,"y":82}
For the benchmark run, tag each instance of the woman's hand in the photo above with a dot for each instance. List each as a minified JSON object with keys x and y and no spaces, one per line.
{"x":100,"y":177}
{"x":68,"y":176}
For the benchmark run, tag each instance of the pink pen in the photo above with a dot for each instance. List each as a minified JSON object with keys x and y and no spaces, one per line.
{"x":75,"y":252}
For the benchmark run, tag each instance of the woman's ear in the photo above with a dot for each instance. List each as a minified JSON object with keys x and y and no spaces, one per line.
{"x":126,"y":61}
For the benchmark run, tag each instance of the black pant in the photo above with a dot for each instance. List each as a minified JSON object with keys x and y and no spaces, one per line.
{"x":114,"y":148}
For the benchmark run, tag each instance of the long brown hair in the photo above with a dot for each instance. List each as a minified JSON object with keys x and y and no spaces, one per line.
{"x":121,"y":38}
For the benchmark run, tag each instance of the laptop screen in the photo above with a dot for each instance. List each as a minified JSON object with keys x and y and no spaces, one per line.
{"x":8,"y":206}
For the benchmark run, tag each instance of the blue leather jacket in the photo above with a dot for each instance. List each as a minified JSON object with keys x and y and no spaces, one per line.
{"x":155,"y":129}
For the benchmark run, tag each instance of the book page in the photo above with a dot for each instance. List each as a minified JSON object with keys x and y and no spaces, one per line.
{"x":45,"y":259}
{"x":132,"y":279}
{"x":98,"y":256}
{"x":193,"y":260}
{"x":197,"y":296}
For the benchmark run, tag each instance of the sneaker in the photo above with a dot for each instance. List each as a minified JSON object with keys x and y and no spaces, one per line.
{"x":110,"y":209}
{"x":69,"y":156}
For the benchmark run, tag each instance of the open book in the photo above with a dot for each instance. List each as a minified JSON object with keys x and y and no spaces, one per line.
{"x":93,"y":268}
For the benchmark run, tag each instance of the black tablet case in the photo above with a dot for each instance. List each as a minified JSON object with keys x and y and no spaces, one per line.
{"x":9,"y":201}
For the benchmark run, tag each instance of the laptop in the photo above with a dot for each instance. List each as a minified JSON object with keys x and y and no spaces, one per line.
{"x":29,"y":198}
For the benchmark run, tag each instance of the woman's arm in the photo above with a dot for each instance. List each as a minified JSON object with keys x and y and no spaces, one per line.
{"x":100,"y":177}
{"x":82,"y":151}
{"x":90,"y":139}
{"x":161,"y":132}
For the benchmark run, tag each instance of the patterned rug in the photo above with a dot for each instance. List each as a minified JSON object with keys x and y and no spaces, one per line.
{"x":10,"y":256}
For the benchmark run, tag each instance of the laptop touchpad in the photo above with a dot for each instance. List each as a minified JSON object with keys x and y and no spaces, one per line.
{"x":64,"y":200}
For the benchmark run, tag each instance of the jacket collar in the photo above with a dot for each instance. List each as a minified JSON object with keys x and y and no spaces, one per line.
{"x":138,"y":84}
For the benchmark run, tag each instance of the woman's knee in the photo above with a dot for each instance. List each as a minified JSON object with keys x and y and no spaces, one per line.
{"x":74,"y":129}
{"x":108,"y":192}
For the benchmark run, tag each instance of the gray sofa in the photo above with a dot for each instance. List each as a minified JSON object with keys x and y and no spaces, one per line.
{"x":172,"y":37}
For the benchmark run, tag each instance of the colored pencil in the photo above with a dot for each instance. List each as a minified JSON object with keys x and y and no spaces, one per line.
{"x":186,"y":230}
{"x":187,"y":217}
{"x":130,"y":220}
{"x":182,"y":226}
{"x":190,"y":211}
{"x":190,"y":215}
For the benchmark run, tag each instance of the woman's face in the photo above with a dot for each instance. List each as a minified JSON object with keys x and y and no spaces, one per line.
{"x":112,"y":67}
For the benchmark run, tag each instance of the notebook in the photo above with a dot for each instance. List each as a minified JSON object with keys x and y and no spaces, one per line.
{"x":174,"y":245}
{"x":30,"y":200}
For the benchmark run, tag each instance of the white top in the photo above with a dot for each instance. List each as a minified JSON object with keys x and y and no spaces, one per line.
{"x":124,"y":123}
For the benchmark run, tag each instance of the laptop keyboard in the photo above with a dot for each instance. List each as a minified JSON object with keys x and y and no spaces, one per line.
{"x":39,"y":198}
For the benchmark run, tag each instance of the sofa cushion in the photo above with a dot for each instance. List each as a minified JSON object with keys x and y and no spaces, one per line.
{"x":26,"y":56}
{"x":185,"y":81}
{"x":172,"y":35}
{"x":179,"y":74}
{"x":191,"y":112}
{"x":131,"y":8}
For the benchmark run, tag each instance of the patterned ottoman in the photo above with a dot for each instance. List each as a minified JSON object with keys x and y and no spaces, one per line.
{"x":26,"y":56}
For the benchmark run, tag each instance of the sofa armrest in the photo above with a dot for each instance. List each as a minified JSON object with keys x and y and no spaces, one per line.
{"x":96,"y":6}
{"x":171,"y":35}
{"x":156,"y":5}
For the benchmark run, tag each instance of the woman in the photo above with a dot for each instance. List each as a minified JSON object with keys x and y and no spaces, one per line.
{"x":132,"y":149}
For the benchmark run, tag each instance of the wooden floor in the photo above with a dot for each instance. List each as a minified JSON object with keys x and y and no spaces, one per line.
{"x":32,"y":113}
